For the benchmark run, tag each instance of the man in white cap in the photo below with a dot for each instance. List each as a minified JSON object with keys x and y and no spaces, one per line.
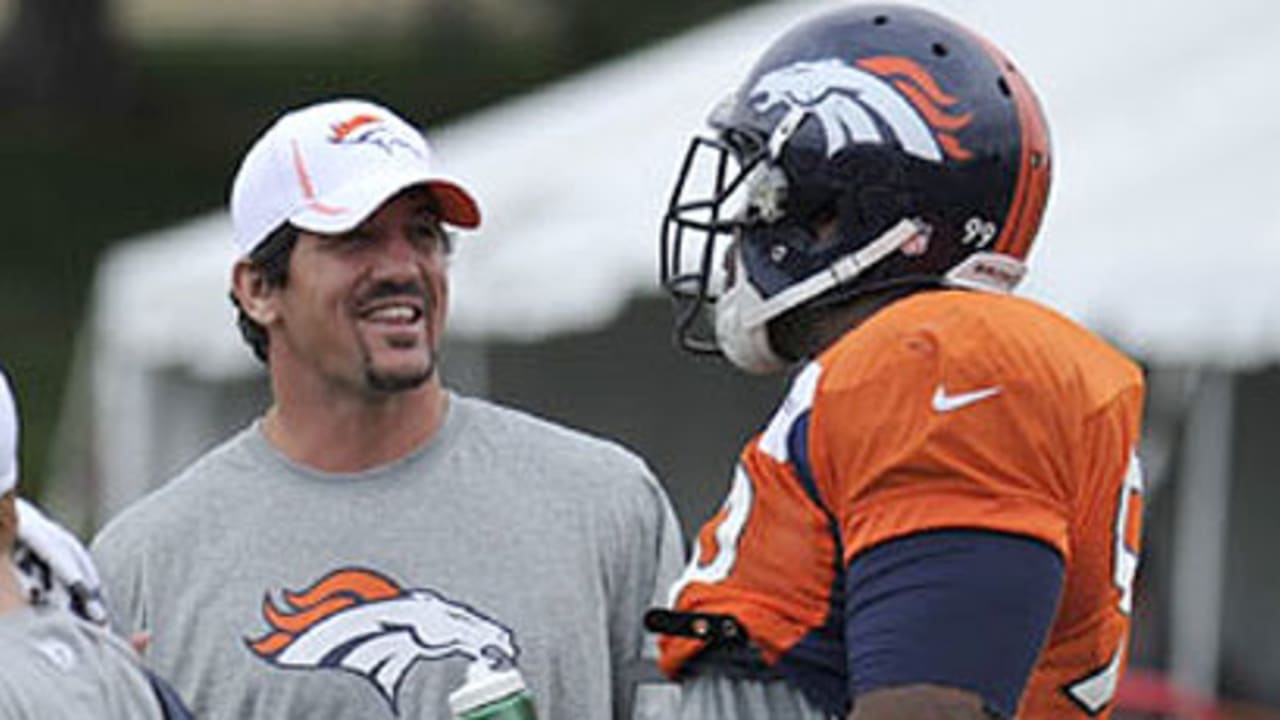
{"x":374,"y":537}
{"x":53,"y":664}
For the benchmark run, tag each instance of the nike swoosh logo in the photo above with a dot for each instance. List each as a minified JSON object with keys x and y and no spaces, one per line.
{"x":943,"y":403}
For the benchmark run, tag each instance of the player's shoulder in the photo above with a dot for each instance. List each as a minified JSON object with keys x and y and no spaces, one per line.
{"x":1004,"y":338}
{"x":1045,"y":348}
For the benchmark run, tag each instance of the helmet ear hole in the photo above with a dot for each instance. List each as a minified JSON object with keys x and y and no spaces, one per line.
{"x":824,"y":225}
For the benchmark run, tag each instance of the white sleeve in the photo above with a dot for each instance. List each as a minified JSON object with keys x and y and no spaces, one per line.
{"x":55,"y":567}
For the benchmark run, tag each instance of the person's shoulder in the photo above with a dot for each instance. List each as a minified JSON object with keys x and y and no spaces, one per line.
{"x":1005,"y":336}
{"x":45,"y":620}
{"x":1019,"y":335}
{"x":104,"y":655}
{"x":523,"y":434}
{"x":518,"y":424}
{"x":166,"y":511}
{"x":43,"y":623}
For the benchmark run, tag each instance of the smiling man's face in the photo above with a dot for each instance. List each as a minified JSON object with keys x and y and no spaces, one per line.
{"x":365,"y":309}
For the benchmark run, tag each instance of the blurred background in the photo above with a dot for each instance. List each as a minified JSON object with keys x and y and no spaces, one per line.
{"x":121,"y":122}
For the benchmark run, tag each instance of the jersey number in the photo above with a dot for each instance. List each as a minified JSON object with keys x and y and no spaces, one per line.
{"x":1096,"y":691}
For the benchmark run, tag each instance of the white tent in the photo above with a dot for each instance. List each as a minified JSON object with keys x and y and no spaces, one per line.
{"x":1163,"y":230}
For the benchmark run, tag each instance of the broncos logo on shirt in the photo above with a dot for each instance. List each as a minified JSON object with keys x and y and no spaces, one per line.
{"x":362,"y":622}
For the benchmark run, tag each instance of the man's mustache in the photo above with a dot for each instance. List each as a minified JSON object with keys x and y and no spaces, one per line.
{"x":392,"y":289}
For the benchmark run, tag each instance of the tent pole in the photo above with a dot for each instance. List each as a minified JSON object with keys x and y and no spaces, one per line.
{"x":1200,"y":536}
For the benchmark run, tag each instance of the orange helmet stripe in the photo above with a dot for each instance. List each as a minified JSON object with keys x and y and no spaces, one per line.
{"x":1034,"y":173}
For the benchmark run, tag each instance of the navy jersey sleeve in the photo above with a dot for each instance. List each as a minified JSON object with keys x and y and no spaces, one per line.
{"x":967,"y":609}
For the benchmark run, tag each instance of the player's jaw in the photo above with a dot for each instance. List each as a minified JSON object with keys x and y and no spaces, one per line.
{"x":396,"y":329}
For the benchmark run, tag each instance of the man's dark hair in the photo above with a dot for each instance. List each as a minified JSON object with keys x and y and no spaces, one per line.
{"x":271,"y":259}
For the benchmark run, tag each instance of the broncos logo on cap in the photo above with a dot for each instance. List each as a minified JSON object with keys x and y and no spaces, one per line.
{"x":362,"y":622}
{"x":371,"y":130}
{"x":885,"y":99}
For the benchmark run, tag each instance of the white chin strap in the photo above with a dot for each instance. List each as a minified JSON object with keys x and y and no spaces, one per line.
{"x":743,"y":315}
{"x":746,"y":346}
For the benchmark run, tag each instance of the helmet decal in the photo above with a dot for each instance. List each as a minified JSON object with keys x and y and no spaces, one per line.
{"x":858,"y":105}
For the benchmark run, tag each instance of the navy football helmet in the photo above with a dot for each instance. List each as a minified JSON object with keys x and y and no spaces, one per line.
{"x":874,"y":147}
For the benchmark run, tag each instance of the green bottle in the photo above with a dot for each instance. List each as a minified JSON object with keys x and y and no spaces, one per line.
{"x":492,"y":695}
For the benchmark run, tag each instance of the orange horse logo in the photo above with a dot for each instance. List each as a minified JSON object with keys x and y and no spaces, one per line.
{"x":362,"y":622}
{"x":371,"y":130}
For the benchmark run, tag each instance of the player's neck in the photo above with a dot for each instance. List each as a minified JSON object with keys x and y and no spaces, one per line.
{"x":826,"y":326}
{"x":350,"y":434}
{"x":11,"y":595}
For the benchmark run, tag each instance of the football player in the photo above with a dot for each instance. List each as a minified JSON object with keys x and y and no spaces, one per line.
{"x":941,"y":519}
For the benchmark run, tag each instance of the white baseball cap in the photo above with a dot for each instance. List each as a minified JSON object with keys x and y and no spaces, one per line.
{"x":326,"y":167}
{"x":8,"y":437}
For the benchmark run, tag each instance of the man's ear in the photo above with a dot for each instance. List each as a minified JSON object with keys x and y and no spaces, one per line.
{"x":256,"y":296}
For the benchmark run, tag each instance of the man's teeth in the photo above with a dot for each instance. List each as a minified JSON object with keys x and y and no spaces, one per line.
{"x":394,"y":313}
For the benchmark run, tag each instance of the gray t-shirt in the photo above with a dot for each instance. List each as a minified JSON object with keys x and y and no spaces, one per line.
{"x":720,"y":697}
{"x":54,"y":666}
{"x":275,"y":591}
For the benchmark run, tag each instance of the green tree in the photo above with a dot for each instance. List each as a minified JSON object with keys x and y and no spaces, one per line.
{"x":61,"y":54}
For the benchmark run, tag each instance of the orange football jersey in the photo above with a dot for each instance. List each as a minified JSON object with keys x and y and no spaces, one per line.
{"x":945,"y":410}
